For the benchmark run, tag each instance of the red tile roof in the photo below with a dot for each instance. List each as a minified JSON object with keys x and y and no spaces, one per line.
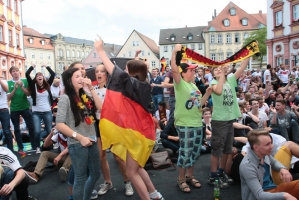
{"x":31,"y":32}
{"x":254,"y":20}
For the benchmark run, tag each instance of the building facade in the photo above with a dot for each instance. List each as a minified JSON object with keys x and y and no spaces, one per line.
{"x":11,"y":34}
{"x":93,"y":59}
{"x":283,"y":32}
{"x":149,"y":49}
{"x":68,"y":50}
{"x":225,"y":34}
{"x":38,"y":50}
{"x":191,"y":37}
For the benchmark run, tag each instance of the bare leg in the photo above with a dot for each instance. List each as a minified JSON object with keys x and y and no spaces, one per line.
{"x":214,"y":163}
{"x":293,"y":147}
{"x":104,"y":163}
{"x":132,"y":169}
{"x":223,"y":161}
{"x":122,"y":167}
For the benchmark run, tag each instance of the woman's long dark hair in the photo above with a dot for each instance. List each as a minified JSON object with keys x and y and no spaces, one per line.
{"x":45,"y":85}
{"x":71,"y":93}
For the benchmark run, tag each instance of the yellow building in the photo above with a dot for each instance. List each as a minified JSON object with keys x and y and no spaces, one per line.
{"x":225,"y":34}
{"x":11,"y":34}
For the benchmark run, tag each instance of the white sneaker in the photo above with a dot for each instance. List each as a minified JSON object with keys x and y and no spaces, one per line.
{"x":38,"y":151}
{"x":63,"y":174}
{"x":104,"y":188}
{"x":129,"y":188}
{"x":94,"y":194}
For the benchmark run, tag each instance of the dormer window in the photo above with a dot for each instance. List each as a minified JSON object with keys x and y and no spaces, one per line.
{"x":172,"y":37}
{"x":42,"y":42}
{"x":30,"y":40}
{"x":244,"y":22}
{"x":226,"y":22}
{"x":232,"y":11}
{"x":190,"y":36}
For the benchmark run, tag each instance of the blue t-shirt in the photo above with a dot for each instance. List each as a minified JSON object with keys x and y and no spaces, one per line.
{"x":268,"y":183}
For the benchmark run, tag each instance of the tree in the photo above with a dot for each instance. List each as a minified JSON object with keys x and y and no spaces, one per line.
{"x":261,"y":36}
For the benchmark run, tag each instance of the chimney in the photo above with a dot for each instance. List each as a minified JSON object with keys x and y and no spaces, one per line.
{"x":209,"y":22}
{"x":260,"y":12}
{"x":214,"y":13}
{"x":186,"y":26}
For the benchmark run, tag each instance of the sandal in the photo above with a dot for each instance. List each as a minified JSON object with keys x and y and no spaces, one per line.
{"x":194,"y":182}
{"x":183,"y":186}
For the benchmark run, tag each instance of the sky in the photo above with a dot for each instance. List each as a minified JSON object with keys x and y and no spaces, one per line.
{"x":114,"y":20}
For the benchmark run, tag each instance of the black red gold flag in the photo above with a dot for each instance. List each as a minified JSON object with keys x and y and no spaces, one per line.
{"x":163,"y":64}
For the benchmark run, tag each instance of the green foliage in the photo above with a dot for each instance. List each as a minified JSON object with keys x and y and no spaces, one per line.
{"x":261,"y":36}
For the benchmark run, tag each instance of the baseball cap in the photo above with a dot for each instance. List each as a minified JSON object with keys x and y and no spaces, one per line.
{"x":185,"y":66}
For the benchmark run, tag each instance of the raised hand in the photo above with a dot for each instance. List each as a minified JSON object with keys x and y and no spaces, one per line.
{"x":98,"y":44}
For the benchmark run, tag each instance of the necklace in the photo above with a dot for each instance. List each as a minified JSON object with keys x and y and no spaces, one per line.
{"x":87,"y":106}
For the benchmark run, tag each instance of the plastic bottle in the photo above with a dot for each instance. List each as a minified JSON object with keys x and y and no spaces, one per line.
{"x":216,"y":190}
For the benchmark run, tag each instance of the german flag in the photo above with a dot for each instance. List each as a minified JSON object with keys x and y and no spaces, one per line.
{"x":163,"y":64}
{"x":126,"y":123}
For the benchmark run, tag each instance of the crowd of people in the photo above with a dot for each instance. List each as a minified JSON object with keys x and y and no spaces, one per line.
{"x":231,"y":112}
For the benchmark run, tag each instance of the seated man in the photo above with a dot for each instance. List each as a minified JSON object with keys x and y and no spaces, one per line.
{"x":62,"y":158}
{"x":285,"y":123}
{"x":255,"y":174}
{"x":170,"y":138}
{"x":12,"y":176}
{"x":255,"y":111}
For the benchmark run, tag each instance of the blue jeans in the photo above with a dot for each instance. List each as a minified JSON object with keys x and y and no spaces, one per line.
{"x":156,"y":99}
{"x":5,"y":121}
{"x":171,"y":144}
{"x":15,"y":118}
{"x":37,"y":118}
{"x":86,"y":164}
{"x":7,"y":176}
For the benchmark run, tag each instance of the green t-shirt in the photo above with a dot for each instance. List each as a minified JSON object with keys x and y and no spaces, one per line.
{"x":225,"y":106}
{"x":186,"y":111}
{"x":19,"y":100}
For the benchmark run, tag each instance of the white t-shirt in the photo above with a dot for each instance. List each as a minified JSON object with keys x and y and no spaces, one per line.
{"x":9,"y":159}
{"x":209,"y":77}
{"x":158,"y":116}
{"x":42,"y":102}
{"x":101,"y":92}
{"x":296,"y":74}
{"x":55,"y":91}
{"x":267,"y":73}
{"x":284,"y":75}
{"x":257,"y":74}
{"x":3,"y":96}
{"x":61,"y":140}
{"x":244,"y":83}
{"x":264,"y":107}
{"x":166,"y":94}
{"x":262,"y":117}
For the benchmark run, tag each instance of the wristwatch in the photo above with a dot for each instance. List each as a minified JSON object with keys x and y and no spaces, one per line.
{"x":283,"y":167}
{"x":74,"y":135}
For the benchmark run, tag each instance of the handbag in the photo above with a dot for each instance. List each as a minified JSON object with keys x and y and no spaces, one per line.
{"x":161,"y":161}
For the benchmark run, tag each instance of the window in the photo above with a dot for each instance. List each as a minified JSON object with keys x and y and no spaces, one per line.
{"x":296,"y":12}
{"x":232,"y":11}
{"x":130,"y":54}
{"x":78,"y":54}
{"x":60,"y":52}
{"x":190,"y":37}
{"x":133,"y":43}
{"x":278,"y":61}
{"x":200,"y":46}
{"x":220,"y":39}
{"x":32,"y":55}
{"x":213,"y":56}
{"x":10,"y":37}
{"x":149,"y":53}
{"x":25,"y":54}
{"x":16,"y":6}
{"x":153,"y":63}
{"x":31,"y":40}
{"x":137,"y":43}
{"x":192,"y":46}
{"x":246,"y":35}
{"x":49,"y":56}
{"x":237,"y":38}
{"x":94,"y":55}
{"x":83,"y":55}
{"x":59,"y":66}
{"x":212,"y":39}
{"x":172,"y":47}
{"x":165,"y":48}
{"x":124,"y":55}
{"x":73,"y":53}
{"x":1,"y":33}
{"x":220,"y":56}
{"x":42,"y":70}
{"x":68,"y":53}
{"x":87,"y":52}
{"x":226,"y":22}
{"x":43,"y":42}
{"x":41,"y":56}
{"x":17,"y":40}
{"x":172,"y":38}
{"x":278,"y":18}
{"x":229,"y":54}
{"x":228,"y":39}
{"x":244,"y":22}
{"x":142,"y":53}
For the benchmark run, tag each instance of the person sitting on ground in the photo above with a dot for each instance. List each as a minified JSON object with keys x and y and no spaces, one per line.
{"x":255,"y":171}
{"x":285,"y":123}
{"x":261,"y":115}
{"x":59,"y":159}
{"x":13,"y":177}
{"x":162,"y":114}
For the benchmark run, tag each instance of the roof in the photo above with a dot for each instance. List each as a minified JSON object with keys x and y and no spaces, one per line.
{"x":71,"y":40}
{"x":31,"y":32}
{"x":254,"y":20}
{"x":111,"y":49}
{"x":181,"y":35}
{"x":150,"y":43}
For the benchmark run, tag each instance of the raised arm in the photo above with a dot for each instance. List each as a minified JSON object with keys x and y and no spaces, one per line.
{"x":175,"y":69}
{"x":242,"y":67}
{"x":98,"y":44}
